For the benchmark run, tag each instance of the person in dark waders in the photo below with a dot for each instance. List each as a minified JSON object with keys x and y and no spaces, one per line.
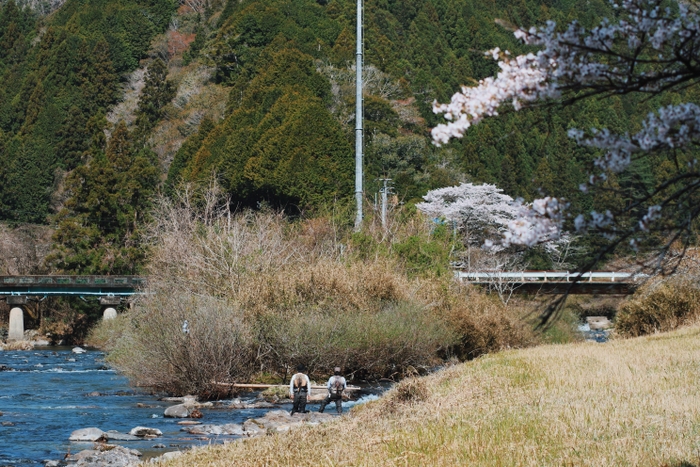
{"x":336,"y":385}
{"x":299,"y":389}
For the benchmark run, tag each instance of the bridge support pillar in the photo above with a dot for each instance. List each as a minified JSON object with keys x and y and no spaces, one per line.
{"x":109,"y":313}
{"x":16,"y":330}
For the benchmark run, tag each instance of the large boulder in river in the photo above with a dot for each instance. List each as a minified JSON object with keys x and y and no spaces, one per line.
{"x":142,"y":431}
{"x":178,"y":411}
{"x":87,"y":434}
{"x":116,"y":456}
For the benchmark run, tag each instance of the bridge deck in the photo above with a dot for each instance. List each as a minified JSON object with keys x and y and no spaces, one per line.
{"x":555,"y":282}
{"x":71,"y":285}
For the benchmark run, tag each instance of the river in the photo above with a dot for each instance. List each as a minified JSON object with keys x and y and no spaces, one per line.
{"x":47,"y":393}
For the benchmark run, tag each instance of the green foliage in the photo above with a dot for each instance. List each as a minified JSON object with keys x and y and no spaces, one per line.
{"x":280,"y":144}
{"x":58,"y":76}
{"x":98,"y":229}
{"x":196,"y":45}
{"x":425,"y":257}
{"x":185,"y":154}
{"x":157,"y":92}
{"x":423,"y":253}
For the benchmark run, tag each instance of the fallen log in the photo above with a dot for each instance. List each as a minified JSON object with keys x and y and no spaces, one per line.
{"x":265,"y":386}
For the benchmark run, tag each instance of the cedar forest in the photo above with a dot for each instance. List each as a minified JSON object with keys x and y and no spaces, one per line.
{"x":286,"y":139}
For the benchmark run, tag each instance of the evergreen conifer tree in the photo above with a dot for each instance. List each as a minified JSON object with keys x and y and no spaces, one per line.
{"x":157,"y":92}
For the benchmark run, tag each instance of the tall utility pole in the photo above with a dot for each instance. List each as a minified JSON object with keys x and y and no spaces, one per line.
{"x":358,"y":120}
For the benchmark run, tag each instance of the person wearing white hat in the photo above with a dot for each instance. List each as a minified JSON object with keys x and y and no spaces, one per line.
{"x":336,"y":385}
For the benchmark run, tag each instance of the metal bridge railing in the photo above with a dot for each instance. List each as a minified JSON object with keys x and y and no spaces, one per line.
{"x":545,"y":276}
{"x":71,"y":285}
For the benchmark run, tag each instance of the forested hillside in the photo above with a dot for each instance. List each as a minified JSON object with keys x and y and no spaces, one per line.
{"x":416,"y":52}
{"x":59,"y":77}
{"x":286,"y":136}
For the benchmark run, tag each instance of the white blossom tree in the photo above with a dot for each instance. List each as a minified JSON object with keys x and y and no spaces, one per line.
{"x":477,"y":210}
{"x":647,"y":49}
{"x":482,"y":212}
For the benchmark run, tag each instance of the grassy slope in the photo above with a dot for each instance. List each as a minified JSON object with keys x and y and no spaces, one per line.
{"x":628,"y":402}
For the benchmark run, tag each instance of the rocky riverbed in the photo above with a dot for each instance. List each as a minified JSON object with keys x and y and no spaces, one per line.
{"x":49,"y":394}
{"x":105,"y":452}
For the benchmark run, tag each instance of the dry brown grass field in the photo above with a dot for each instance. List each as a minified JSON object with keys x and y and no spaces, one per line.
{"x":627,"y":402}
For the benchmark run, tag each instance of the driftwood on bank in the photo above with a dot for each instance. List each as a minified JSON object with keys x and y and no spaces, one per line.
{"x":265,"y":386}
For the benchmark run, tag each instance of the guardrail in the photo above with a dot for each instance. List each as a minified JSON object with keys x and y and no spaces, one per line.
{"x":545,"y":276}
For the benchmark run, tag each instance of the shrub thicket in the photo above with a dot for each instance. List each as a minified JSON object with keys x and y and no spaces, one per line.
{"x":262,"y":294}
{"x":660,"y":306}
{"x":154,"y":351}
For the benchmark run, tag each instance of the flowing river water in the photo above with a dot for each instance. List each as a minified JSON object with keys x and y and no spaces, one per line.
{"x":47,"y":393}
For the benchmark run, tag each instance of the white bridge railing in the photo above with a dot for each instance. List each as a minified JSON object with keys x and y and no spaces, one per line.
{"x":545,"y":276}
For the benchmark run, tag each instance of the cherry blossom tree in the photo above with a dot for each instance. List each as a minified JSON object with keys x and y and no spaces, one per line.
{"x":477,"y":210}
{"x":648,"y":49}
{"x":482,"y":212}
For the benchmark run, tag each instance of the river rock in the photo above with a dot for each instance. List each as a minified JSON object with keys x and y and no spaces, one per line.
{"x":158,"y":446}
{"x":280,"y":420}
{"x":113,"y":435}
{"x":166,"y":457}
{"x":227,"y":429}
{"x":79,"y":350}
{"x":83,"y":454}
{"x":189,"y":422}
{"x":177,"y":411}
{"x":236,"y":404}
{"x":597,"y":323}
{"x":7,"y":424}
{"x":87,"y":434}
{"x":252,"y":429}
{"x":141,"y":405}
{"x":142,"y":431}
{"x":182,"y":399}
{"x":117,"y":456}
{"x":260,"y":405}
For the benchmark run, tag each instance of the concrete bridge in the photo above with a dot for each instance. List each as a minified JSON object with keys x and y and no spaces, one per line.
{"x":113,"y":290}
{"x":110,"y":291}
{"x":556,"y":282}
